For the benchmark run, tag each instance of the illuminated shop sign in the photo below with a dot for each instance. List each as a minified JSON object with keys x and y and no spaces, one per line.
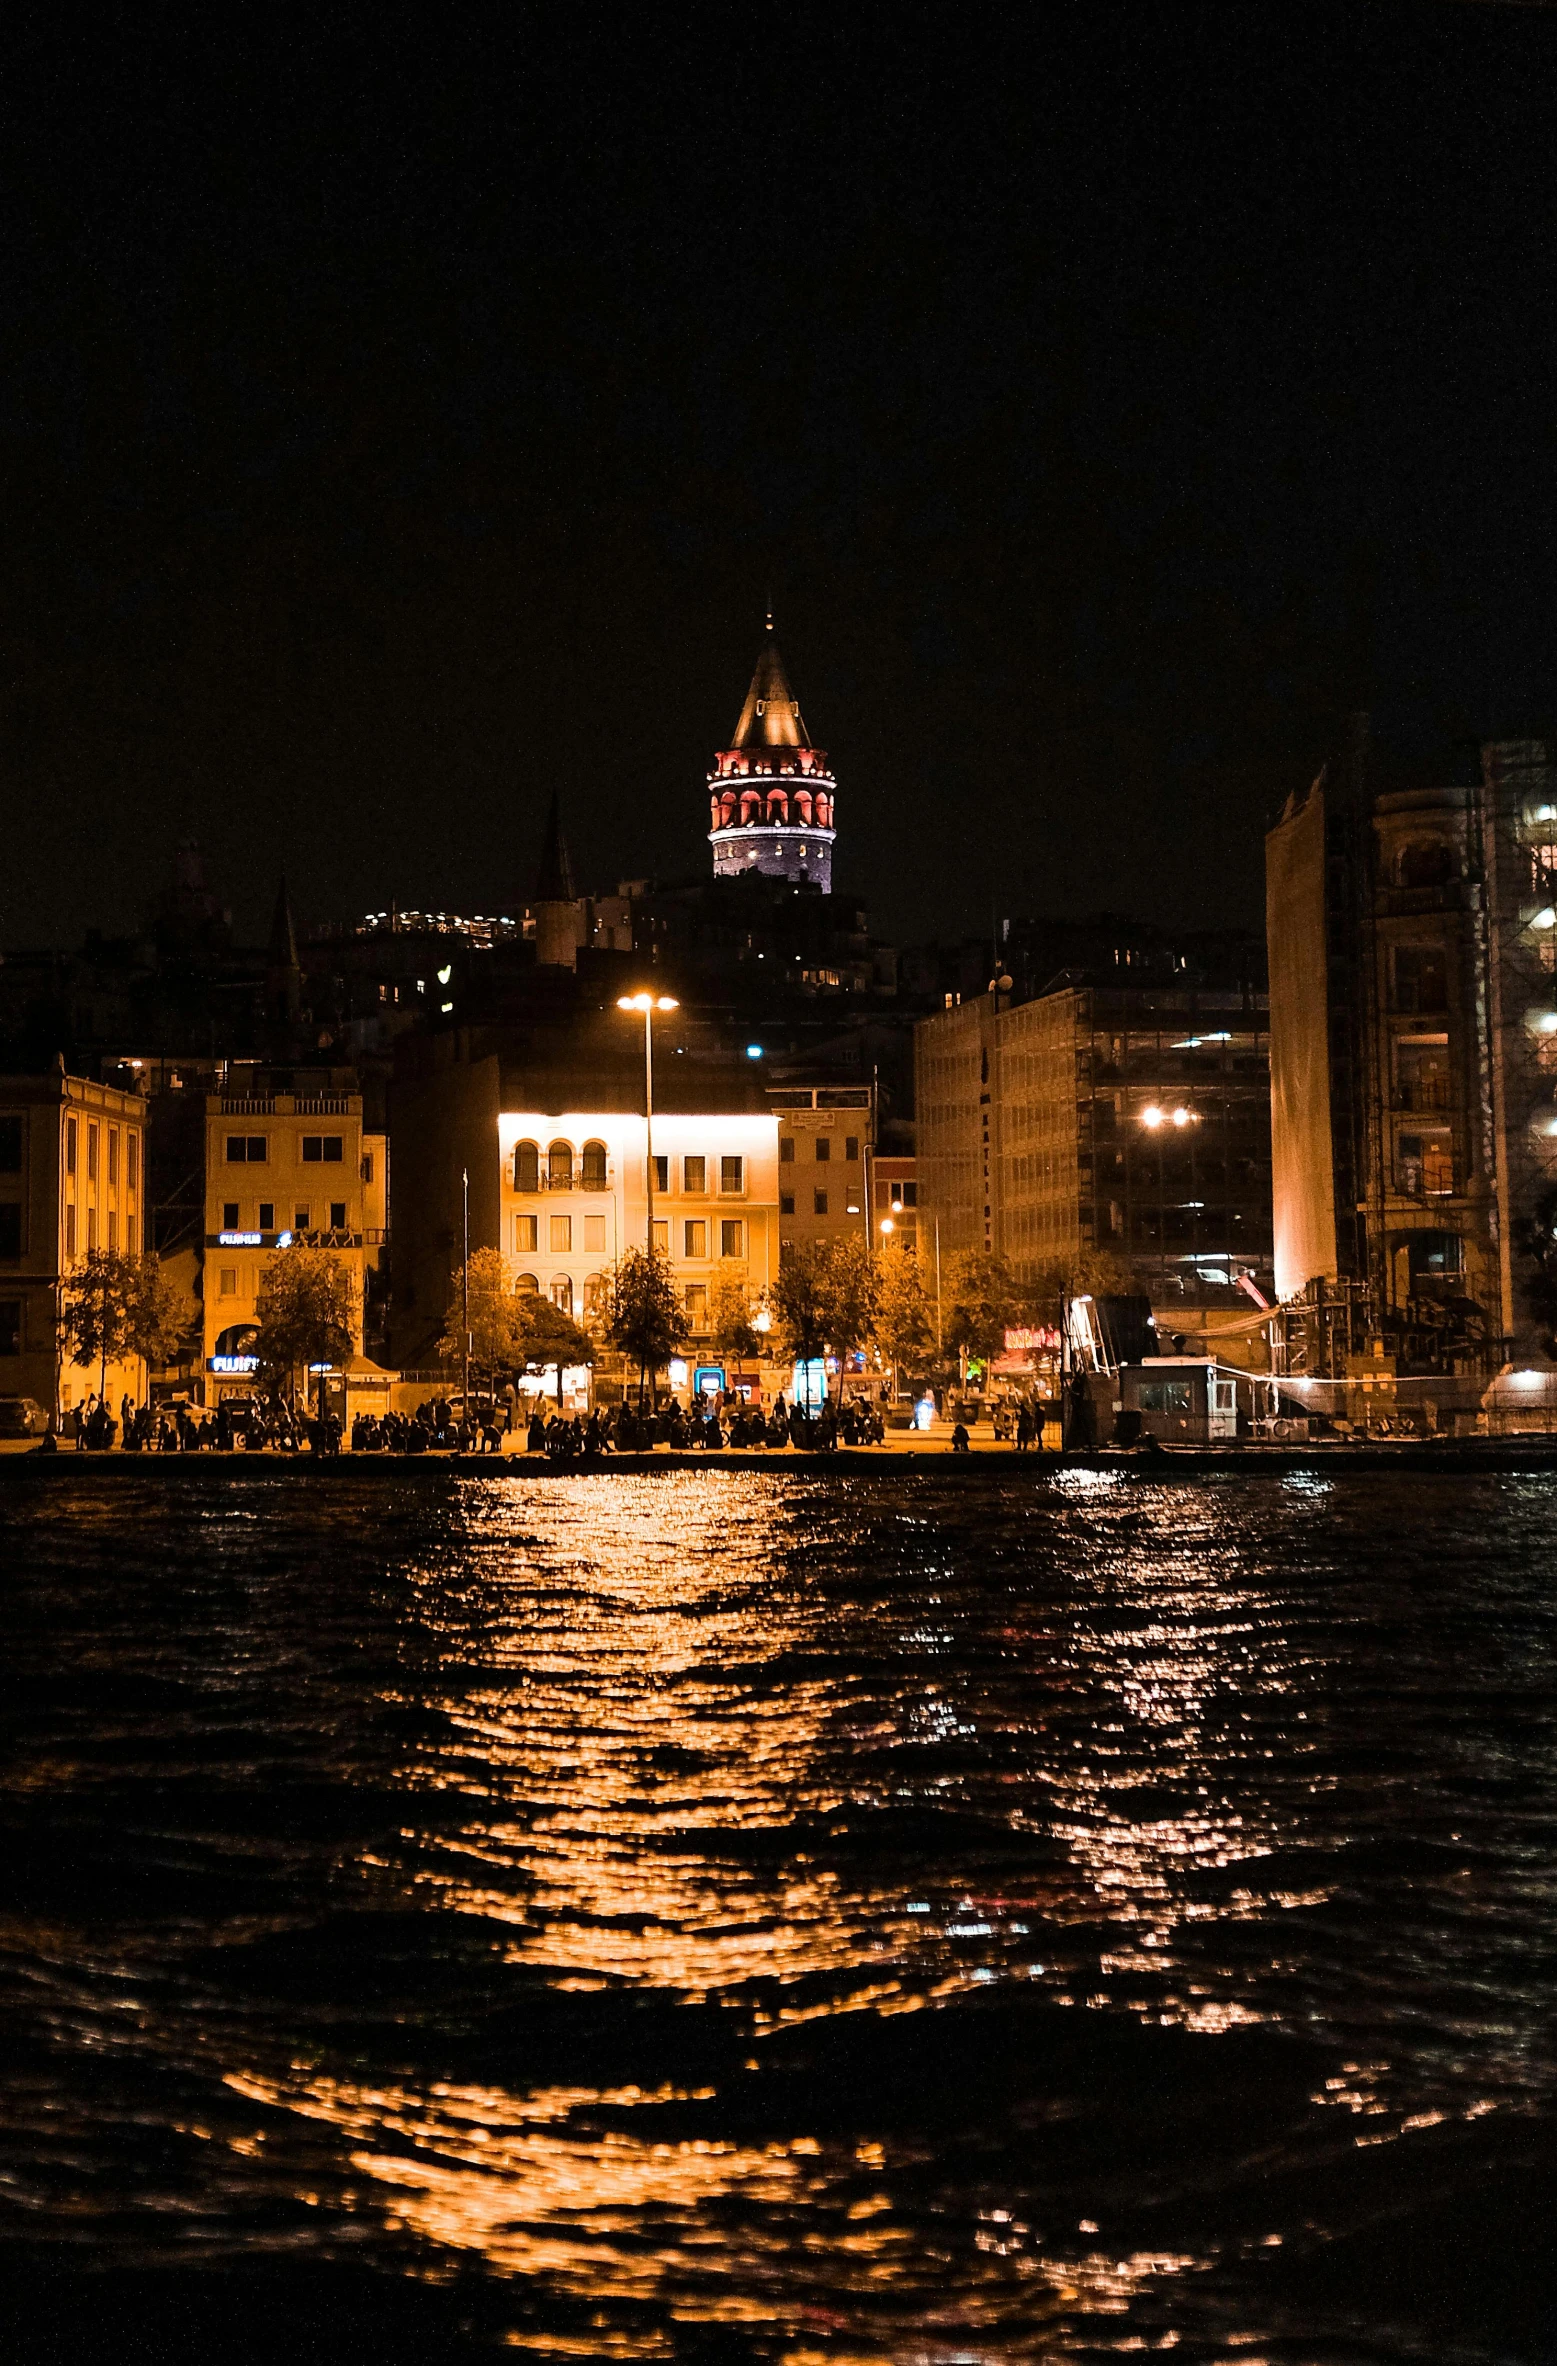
{"x":239,"y":1240}
{"x":234,"y":1363}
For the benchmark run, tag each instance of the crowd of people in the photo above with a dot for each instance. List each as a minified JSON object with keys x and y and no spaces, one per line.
{"x":446,"y":1426}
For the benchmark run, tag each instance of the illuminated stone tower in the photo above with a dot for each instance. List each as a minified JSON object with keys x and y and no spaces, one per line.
{"x":771,"y":794}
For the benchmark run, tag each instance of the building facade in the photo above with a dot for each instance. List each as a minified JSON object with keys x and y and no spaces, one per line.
{"x":1413,"y":943}
{"x":826,"y":1137}
{"x":574,"y":1197}
{"x":72,"y":1178}
{"x":282,"y":1169}
{"x":771,"y":795}
{"x":1131,"y":1121}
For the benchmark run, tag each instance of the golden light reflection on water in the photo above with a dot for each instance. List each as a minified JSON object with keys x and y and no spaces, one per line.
{"x":644,"y":1711}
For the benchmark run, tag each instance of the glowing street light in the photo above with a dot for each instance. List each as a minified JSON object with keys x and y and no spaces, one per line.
{"x":648,"y":1004}
{"x":887,"y":1224}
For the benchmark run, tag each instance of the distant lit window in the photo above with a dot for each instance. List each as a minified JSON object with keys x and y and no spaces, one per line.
{"x":732,"y":1237}
{"x":594,"y":1232}
{"x":694,"y":1176}
{"x":70,"y":1145}
{"x":91,"y":1153}
{"x":132,"y":1161}
{"x":661,"y":1173}
{"x":527,"y":1166}
{"x":527,"y":1285}
{"x":695,"y":1237}
{"x":592,"y":1166}
{"x":697,"y":1305}
{"x":561,"y":1236}
{"x":337,"y":1215}
{"x":527,"y":1232}
{"x":559,"y":1166}
{"x":113,"y":1154}
{"x":661,"y":1237}
{"x":562,"y":1294}
{"x":732,"y":1174}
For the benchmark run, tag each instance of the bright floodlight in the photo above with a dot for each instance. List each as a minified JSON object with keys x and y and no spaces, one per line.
{"x":1151,"y":1115}
{"x":647,"y":1002}
{"x":1181,"y":1117}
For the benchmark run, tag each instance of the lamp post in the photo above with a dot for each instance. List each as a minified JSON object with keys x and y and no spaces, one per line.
{"x":648,"y":1004}
{"x":465,"y":1292}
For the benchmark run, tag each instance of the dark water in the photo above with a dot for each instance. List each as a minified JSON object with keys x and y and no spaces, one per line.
{"x":754,"y":1917}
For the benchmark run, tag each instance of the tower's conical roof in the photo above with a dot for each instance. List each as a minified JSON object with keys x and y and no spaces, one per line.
{"x":554,"y":880}
{"x":771,"y":716}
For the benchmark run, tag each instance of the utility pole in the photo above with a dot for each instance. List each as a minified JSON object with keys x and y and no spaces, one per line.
{"x":465,"y":1288}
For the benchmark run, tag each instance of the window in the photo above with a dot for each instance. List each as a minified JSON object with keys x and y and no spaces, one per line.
{"x":697,"y":1306}
{"x":337,"y":1215}
{"x":1422,"y":1073}
{"x":732,"y":1237}
{"x":10,"y":1326}
{"x":851,"y":1149}
{"x":594,"y":1232}
{"x":267,"y":1222}
{"x":1435,"y":1256}
{"x":229,"y":1215}
{"x":694,"y":1176}
{"x":527,"y":1166}
{"x":527,"y":1286}
{"x":113,"y":1154}
{"x":661,"y":1237}
{"x":732,"y":1174}
{"x":10,"y":1145}
{"x":91,"y":1228}
{"x":824,"y":1149}
{"x":527,"y":1235}
{"x":786,"y":1203}
{"x":242,"y":1150}
{"x":366,"y":1169}
{"x":1425,"y":865}
{"x":819,"y":1203}
{"x":129,"y":1234}
{"x":10,"y":1228}
{"x":1425,"y":1164}
{"x":228,"y":1284}
{"x":1166,"y":1396}
{"x":561,"y":1236}
{"x":559,"y":1167}
{"x":661,"y":1173}
{"x":70,"y":1230}
{"x":592,"y":1166}
{"x":1421,"y":978}
{"x":594,"y":1293}
{"x":562,"y":1294}
{"x":695,"y":1235}
{"x":302,"y":1219}
{"x":132,"y":1161}
{"x":70,"y":1145}
{"x":787,"y":1150}
{"x":91,"y":1153}
{"x":322,"y":1150}
{"x":113,"y":1228}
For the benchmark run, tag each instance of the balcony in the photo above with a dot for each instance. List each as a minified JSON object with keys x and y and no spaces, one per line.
{"x":1424,"y":1094}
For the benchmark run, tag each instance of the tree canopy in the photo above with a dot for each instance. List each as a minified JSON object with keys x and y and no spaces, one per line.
{"x":307,"y":1314}
{"x":115,"y":1305}
{"x":824,"y":1297}
{"x":904,"y":1325}
{"x":644,"y":1317}
{"x":730,"y":1312}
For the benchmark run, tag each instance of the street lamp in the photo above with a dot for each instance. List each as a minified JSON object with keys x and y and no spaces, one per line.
{"x":887,"y":1225}
{"x":648,"y":1004}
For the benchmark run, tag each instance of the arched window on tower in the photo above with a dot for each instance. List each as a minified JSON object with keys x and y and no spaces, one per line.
{"x":751,"y":805}
{"x":527,"y":1166}
{"x":714,"y":812}
{"x":778,"y":806}
{"x":803,"y":806}
{"x":726,"y":809}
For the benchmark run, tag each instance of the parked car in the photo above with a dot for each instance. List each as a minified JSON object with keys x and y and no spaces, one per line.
{"x":22,"y":1417}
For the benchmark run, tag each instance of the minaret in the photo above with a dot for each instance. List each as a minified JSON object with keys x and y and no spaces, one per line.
{"x":771,"y":794}
{"x":283,"y":970}
{"x":558,"y":920}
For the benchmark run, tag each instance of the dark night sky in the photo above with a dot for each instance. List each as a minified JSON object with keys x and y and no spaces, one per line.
{"x":400,"y":420}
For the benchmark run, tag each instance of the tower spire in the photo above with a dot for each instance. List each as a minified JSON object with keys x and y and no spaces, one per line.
{"x":771,"y":794}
